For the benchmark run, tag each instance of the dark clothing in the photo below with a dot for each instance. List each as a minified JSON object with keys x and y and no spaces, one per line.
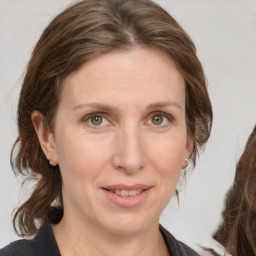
{"x":176,"y":248}
{"x":44,"y":244}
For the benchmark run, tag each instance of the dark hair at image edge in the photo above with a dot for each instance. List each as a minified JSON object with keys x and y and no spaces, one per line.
{"x":237,"y":233}
{"x":81,"y":32}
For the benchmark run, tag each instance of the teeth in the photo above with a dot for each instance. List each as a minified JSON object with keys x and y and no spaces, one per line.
{"x":118,"y":192}
{"x":124,"y":192}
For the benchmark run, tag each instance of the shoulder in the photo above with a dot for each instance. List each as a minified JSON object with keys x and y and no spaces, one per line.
{"x":43,"y":244}
{"x":188,"y":250}
{"x":176,"y":247}
{"x":20,"y":248}
{"x":212,"y":247}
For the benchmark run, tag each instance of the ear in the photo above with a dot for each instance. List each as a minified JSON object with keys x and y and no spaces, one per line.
{"x":45,"y":137}
{"x":188,"y":151}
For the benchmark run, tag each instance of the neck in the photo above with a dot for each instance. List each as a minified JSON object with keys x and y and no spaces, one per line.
{"x":76,"y":238}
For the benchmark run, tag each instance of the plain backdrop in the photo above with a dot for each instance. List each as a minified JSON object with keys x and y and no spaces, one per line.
{"x":224,"y":32}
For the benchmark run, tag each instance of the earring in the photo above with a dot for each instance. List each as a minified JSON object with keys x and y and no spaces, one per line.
{"x":186,"y":160}
{"x":51,"y":163}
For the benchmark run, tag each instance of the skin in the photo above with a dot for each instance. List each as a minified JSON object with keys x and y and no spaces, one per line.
{"x":127,"y":91}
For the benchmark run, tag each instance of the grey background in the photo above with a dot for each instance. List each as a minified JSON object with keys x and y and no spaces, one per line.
{"x":224,"y":32}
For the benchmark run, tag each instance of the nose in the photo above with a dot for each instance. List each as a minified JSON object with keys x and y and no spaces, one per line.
{"x":129,"y":153}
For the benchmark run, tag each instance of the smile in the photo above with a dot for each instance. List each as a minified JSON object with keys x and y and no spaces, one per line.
{"x":127,"y":196}
{"x":124,"y":192}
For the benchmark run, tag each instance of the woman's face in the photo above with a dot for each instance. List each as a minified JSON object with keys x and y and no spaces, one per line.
{"x":120,"y":139}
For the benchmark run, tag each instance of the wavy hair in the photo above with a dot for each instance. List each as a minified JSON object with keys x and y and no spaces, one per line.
{"x":238,"y":230}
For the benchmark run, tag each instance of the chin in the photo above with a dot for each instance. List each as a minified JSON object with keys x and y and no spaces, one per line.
{"x":127,"y":224}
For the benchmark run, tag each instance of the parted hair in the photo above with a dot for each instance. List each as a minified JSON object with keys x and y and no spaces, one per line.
{"x":237,"y":233}
{"x":81,"y":32}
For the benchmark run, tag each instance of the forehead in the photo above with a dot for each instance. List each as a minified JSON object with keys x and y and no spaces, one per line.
{"x":125,"y":66}
{"x":142,"y":73}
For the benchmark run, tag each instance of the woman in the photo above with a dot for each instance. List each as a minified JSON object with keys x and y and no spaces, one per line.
{"x":238,"y":230}
{"x":112,"y":106}
{"x":236,"y":235}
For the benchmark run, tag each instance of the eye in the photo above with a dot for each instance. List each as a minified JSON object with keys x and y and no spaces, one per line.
{"x":96,"y":119}
{"x":157,"y":120}
{"x":160,"y":119}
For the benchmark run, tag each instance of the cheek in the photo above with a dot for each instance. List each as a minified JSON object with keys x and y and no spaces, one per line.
{"x":81,"y":163}
{"x":167,"y":158}
{"x":167,"y":155}
{"x":81,"y":157}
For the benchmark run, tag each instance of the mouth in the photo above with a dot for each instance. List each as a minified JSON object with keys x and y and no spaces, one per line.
{"x":126,"y":192}
{"x":127,"y":196}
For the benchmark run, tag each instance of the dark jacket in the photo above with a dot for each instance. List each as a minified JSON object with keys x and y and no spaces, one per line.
{"x":44,"y":244}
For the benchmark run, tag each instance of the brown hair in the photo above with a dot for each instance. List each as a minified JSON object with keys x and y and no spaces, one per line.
{"x":81,"y":32}
{"x":238,"y":230}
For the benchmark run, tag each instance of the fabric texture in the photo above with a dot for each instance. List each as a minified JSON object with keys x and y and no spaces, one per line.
{"x":210,"y":247}
{"x":176,"y":248}
{"x":44,"y":244}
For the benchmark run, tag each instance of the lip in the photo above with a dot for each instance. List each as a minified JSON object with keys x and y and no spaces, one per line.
{"x":127,"y":201}
{"x":127,"y":187}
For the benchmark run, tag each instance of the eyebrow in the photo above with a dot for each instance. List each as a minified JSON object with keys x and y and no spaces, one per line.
{"x":111,"y":108}
{"x":96,"y":106}
{"x":164,"y":104}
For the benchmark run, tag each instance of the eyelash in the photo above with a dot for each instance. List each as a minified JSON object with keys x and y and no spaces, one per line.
{"x":105,"y":115}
